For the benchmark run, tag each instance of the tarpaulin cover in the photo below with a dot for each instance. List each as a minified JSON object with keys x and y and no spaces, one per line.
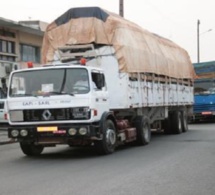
{"x":136,"y":49}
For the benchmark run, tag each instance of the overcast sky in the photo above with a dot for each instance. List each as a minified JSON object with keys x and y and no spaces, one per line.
{"x":172,"y":19}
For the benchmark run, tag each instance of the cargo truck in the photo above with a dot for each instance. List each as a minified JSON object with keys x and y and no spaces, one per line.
{"x":105,"y":82}
{"x":204,"y":92}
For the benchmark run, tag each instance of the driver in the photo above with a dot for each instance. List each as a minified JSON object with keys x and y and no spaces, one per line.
{"x":83,"y":82}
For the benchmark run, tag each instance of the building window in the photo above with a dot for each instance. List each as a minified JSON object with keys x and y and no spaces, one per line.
{"x":30,"y":53}
{"x":7,"y":58}
{"x":7,"y":46}
{"x":7,"y":50}
{"x":5,"y":33}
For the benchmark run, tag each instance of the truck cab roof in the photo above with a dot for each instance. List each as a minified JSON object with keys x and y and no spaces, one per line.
{"x":60,"y":65}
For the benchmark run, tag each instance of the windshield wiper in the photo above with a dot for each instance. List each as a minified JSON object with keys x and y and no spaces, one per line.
{"x":59,"y":93}
{"x":23,"y":95}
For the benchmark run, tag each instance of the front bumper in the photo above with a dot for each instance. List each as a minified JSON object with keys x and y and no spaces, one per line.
{"x":203,"y":116}
{"x":55,"y":134}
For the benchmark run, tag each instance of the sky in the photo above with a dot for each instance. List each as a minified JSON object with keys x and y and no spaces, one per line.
{"x":173,"y":19}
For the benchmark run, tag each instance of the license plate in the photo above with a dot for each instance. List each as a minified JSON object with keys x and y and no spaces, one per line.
{"x":46,"y":129}
{"x":206,"y":113}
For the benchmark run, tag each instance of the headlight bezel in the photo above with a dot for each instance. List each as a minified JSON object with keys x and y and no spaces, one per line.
{"x":81,"y":113}
{"x":16,"y":115}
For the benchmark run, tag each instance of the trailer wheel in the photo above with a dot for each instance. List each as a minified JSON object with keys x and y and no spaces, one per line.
{"x":30,"y":149}
{"x":143,"y":130}
{"x":184,"y":121}
{"x":166,"y":126}
{"x":108,"y":143}
{"x":176,"y":122}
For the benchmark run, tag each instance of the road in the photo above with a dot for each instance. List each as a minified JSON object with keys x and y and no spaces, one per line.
{"x":170,"y":165}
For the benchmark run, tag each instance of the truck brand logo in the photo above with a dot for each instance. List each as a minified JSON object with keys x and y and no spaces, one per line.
{"x":46,"y":115}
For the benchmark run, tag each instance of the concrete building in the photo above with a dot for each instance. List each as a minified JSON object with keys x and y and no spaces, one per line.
{"x":20,"y":42}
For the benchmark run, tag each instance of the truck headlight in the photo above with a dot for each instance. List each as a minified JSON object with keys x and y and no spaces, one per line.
{"x":23,"y":133}
{"x":14,"y":133}
{"x":72,"y":131}
{"x":81,"y":113}
{"x":83,"y":131}
{"x":16,"y":115}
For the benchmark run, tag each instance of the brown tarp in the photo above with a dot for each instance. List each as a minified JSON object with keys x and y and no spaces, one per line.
{"x":136,"y":49}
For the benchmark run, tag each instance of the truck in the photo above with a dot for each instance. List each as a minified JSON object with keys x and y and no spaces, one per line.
{"x":204,"y":92}
{"x":133,"y":82}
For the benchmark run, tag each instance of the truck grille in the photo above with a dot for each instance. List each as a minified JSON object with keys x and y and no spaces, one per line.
{"x":49,"y":115}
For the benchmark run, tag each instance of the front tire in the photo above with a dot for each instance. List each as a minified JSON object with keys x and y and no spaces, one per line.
{"x":30,"y":149}
{"x":108,"y":143}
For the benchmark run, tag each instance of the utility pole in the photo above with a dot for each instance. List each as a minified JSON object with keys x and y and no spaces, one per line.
{"x":198,"y":54}
{"x":121,"y":8}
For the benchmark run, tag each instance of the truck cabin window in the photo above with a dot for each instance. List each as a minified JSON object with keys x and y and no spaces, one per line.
{"x":50,"y":82}
{"x":204,"y":86}
{"x":98,"y":80}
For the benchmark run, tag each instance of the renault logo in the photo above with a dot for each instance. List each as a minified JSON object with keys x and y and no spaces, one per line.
{"x":46,"y":115}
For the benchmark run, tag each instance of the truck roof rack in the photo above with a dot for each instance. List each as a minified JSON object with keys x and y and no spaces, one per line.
{"x":74,"y":52}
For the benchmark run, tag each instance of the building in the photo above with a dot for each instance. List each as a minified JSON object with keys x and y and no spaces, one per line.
{"x":20,"y":42}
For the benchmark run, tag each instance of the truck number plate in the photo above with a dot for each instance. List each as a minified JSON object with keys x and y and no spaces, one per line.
{"x":46,"y":129}
{"x":206,"y":113}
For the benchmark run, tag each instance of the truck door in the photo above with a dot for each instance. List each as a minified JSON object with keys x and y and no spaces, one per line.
{"x":100,"y":93}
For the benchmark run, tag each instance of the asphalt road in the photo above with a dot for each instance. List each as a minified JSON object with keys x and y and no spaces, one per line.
{"x":171,"y":165}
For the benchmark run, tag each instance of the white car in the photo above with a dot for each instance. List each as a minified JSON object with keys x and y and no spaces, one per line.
{"x":3,"y":114}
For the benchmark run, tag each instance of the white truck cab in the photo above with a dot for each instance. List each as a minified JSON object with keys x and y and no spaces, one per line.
{"x":55,"y":89}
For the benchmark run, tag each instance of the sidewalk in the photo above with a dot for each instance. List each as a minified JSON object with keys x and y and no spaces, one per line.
{"x":4,"y":138}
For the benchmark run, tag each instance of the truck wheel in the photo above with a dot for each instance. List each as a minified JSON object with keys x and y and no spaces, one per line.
{"x":143,"y":130}
{"x":30,"y":149}
{"x":176,"y":122}
{"x":108,"y":143}
{"x":184,"y":121}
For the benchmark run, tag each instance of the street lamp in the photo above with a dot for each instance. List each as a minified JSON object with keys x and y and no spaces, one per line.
{"x":198,"y":23}
{"x":198,"y":42}
{"x":121,"y":8}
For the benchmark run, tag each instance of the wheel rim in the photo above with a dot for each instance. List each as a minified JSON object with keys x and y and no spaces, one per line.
{"x":110,"y":137}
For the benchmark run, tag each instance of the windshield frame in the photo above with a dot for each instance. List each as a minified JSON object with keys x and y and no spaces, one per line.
{"x":47,"y":81}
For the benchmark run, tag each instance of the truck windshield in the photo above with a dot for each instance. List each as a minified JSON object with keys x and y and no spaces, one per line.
{"x":49,"y":82}
{"x":204,"y":86}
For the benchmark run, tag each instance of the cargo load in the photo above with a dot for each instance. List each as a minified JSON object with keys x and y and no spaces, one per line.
{"x":136,"y":49}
